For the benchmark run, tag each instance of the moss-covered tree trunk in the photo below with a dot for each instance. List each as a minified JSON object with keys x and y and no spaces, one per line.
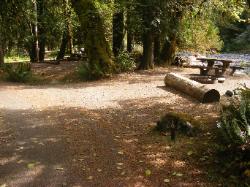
{"x":118,"y":29}
{"x":168,"y":51}
{"x":97,"y":48}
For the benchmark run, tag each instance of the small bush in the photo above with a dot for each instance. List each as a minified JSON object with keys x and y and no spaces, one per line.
{"x":235,"y":120}
{"x":20,"y":72}
{"x":90,"y":72}
{"x":125,"y":62}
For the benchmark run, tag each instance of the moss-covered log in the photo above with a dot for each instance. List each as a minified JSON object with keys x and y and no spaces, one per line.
{"x":97,"y":48}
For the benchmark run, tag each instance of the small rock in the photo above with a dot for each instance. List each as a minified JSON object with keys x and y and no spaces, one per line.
{"x":229,"y":93}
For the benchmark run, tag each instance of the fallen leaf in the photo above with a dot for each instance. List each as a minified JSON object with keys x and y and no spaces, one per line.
{"x":90,"y":177}
{"x":247,"y":173}
{"x":120,"y":153}
{"x":118,"y":167}
{"x":147,"y":172}
{"x":123,"y":173}
{"x":99,"y":170}
{"x":179,"y":174}
{"x":31,"y":165}
{"x":119,"y":164}
{"x":3,"y":185}
{"x":189,"y":153}
{"x":59,"y":168}
{"x":166,"y":180}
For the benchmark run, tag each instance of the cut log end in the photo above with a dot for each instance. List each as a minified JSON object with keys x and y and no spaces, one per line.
{"x":211,"y":96}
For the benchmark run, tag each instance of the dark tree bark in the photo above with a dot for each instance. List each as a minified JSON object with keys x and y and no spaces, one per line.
{"x":41,"y":29}
{"x":170,"y":45}
{"x":148,"y":39}
{"x":168,"y":51}
{"x":67,"y":38}
{"x":98,"y":51}
{"x":129,"y":31}
{"x":118,"y":30}
{"x":148,"y":51}
{"x":33,"y":51}
{"x":1,"y":54}
{"x":157,"y":48}
{"x":63,"y":47}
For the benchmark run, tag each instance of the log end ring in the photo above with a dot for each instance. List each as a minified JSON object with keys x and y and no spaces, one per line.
{"x":211,"y":96}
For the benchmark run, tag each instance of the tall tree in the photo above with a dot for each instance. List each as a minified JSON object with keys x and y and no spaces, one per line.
{"x":96,"y":46}
{"x":147,"y":35}
{"x":41,"y":28}
{"x":1,"y":54}
{"x":67,"y":36}
{"x":118,"y":27}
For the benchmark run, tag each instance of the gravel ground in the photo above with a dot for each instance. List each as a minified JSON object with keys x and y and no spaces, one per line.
{"x":100,"y":95}
{"x":98,"y":133}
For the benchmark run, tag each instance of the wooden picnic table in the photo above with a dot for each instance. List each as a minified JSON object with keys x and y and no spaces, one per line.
{"x":211,"y":64}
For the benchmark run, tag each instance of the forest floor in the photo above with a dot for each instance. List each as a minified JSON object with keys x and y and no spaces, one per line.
{"x":101,"y":133}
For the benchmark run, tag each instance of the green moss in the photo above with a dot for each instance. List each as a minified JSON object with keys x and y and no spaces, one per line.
{"x":179,"y":121}
{"x":97,"y":48}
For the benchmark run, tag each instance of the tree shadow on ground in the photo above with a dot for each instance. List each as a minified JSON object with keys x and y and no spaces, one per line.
{"x":109,"y":147}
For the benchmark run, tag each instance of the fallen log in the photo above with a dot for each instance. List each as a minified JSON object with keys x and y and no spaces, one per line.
{"x":192,"y":88}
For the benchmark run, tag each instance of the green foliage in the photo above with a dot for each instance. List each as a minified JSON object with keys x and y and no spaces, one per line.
{"x":87,"y":71}
{"x":125,"y":62}
{"x":199,"y":34}
{"x":20,"y":72}
{"x":235,"y":120}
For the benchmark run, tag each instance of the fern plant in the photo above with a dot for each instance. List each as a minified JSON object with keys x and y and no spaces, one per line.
{"x":19,"y":72}
{"x":235,"y":119}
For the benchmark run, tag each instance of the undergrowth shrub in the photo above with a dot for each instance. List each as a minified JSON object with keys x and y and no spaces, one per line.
{"x":235,"y":119}
{"x":125,"y":62}
{"x":234,"y":125}
{"x":90,"y":72}
{"x":20,"y":72}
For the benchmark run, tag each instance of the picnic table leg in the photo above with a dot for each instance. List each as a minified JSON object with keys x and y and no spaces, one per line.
{"x":204,"y":71}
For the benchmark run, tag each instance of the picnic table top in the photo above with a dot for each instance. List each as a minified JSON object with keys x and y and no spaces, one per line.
{"x":214,"y":59}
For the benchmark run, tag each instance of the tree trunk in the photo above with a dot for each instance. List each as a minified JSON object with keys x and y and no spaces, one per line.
{"x":148,"y":51}
{"x":97,"y":48}
{"x":42,"y":43}
{"x":35,"y":45}
{"x":1,"y":55}
{"x":157,"y":48}
{"x":41,"y":30}
{"x":70,"y":39}
{"x":148,"y":39}
{"x":168,"y":52}
{"x":192,"y":88}
{"x":33,"y":52}
{"x":129,"y":31}
{"x":68,"y":22}
{"x":63,"y":47}
{"x":118,"y":30}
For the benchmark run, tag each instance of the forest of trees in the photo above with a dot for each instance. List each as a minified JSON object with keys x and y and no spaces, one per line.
{"x":106,"y":29}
